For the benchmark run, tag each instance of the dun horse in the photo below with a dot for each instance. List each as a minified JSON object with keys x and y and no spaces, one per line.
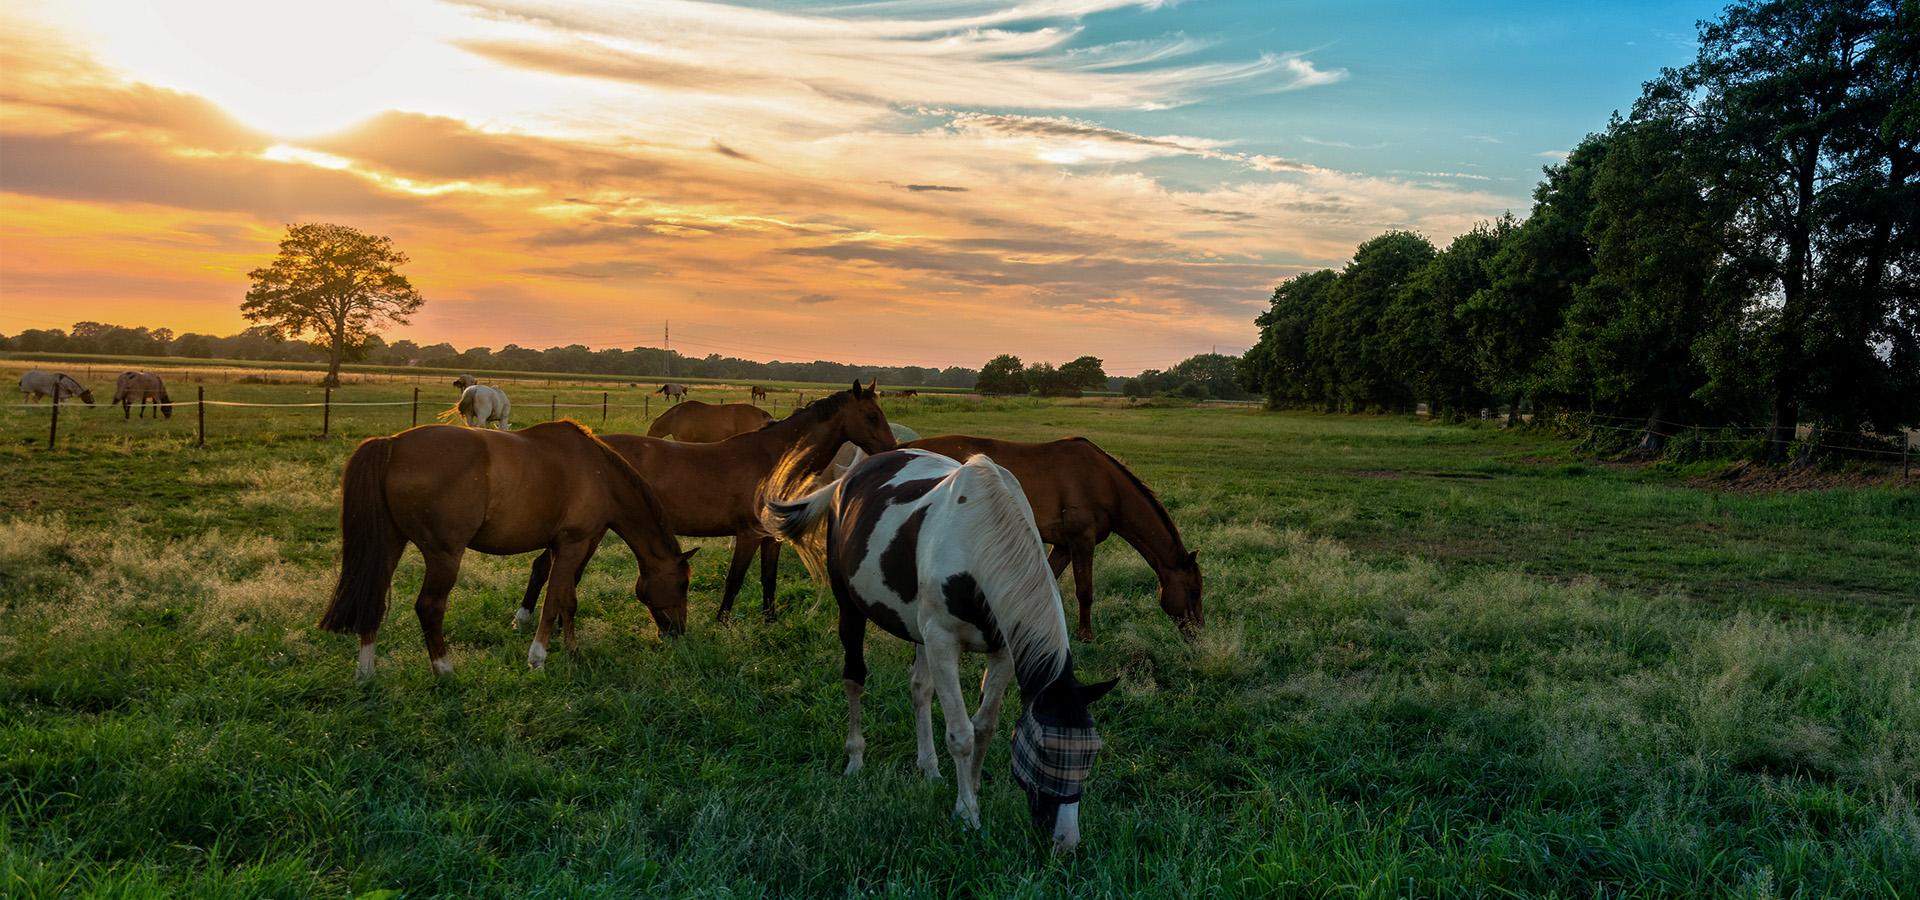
{"x":946,"y":555}
{"x":448,"y":489}
{"x":704,"y":423}
{"x":1080,"y":495}
{"x":142,"y":388}
{"x":674,"y":392}
{"x":715,"y":490}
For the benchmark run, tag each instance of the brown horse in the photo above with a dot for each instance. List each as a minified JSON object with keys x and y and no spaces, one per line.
{"x":142,"y":388}
{"x":759,"y":393}
{"x":716,"y":490}
{"x":1080,"y":495}
{"x":447,"y":489}
{"x":695,"y":422}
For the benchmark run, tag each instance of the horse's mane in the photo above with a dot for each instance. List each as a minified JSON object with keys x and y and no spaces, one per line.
{"x":648,"y":499}
{"x":1153,"y":499}
{"x":1010,"y":565}
{"x":818,"y":409}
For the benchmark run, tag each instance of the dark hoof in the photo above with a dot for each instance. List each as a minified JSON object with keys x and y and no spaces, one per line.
{"x":1085,"y":634}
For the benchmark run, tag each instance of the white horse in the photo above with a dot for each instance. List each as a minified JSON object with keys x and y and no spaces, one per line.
{"x":480,"y":405}
{"x":947,"y":556}
{"x":58,"y":385}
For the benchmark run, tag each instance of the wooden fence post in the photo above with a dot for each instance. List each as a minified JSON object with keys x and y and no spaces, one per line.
{"x":603,"y":407}
{"x":53,"y":429}
{"x":646,"y":408}
{"x":1906,"y":458}
{"x":326,"y":413}
{"x":553,"y":407}
{"x":416,"y":406}
{"x":201,"y":408}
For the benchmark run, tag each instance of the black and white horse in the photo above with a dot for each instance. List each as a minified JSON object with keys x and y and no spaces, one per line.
{"x":947,"y":556}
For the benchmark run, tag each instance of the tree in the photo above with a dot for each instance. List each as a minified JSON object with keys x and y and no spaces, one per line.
{"x":1084,"y":374}
{"x":334,"y":285}
{"x":1425,"y":327}
{"x":1287,"y":365}
{"x":1003,"y":374}
{"x":1351,"y":329}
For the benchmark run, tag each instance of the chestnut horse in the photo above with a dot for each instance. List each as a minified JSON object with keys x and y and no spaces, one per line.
{"x":447,"y":489}
{"x":715,"y":489}
{"x":759,"y":393}
{"x":1080,"y":495}
{"x":704,"y":423}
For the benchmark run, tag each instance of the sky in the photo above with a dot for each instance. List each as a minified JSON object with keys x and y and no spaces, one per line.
{"x":928,"y":182}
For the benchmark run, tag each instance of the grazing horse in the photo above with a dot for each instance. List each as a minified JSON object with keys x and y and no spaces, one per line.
{"x":58,"y":385}
{"x":759,"y":393}
{"x":674,"y":392}
{"x":946,"y":555}
{"x":143,"y":388}
{"x":1080,"y":494}
{"x":447,"y":490}
{"x":715,"y":490}
{"x":480,"y":405}
{"x":704,"y":423}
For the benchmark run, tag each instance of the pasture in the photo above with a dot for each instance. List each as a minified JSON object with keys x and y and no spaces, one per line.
{"x":1438,"y":660}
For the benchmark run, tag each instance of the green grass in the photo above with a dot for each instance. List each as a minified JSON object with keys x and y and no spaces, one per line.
{"x":1439,"y":660}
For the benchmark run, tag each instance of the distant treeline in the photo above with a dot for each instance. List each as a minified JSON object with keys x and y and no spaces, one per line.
{"x":260,"y":343}
{"x":1743,"y":248}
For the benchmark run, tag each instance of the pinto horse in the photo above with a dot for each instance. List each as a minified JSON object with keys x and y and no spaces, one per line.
{"x":142,"y":388}
{"x":946,"y":556}
{"x":704,"y":423}
{"x":448,"y":489}
{"x":1080,"y":494}
{"x":715,"y":490}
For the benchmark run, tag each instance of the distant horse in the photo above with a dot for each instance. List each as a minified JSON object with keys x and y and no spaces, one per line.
{"x":1080,"y":494}
{"x":946,"y":555}
{"x":142,"y":388}
{"x":715,"y":489}
{"x":696,"y":422}
{"x":758,"y":393}
{"x":446,"y":490}
{"x":674,"y":392}
{"x":480,"y":405}
{"x":909,"y":392}
{"x":58,"y":385}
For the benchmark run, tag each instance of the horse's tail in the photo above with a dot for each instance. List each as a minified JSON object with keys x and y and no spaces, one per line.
{"x":789,"y":519}
{"x":452,"y":412}
{"x":367,"y":538}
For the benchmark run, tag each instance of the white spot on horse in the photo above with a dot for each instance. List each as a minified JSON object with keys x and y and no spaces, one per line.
{"x":537,"y":655}
{"x":442,"y":666}
{"x":1066,"y":828}
{"x":364,"y":670}
{"x":522,"y":618}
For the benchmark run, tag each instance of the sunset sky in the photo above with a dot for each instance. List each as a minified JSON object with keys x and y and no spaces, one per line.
{"x":894,"y":182}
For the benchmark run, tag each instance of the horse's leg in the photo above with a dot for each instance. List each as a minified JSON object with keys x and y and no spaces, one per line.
{"x":923,"y":716}
{"x":769,"y":574}
{"x":566,"y":561}
{"x":364,"y":669}
{"x":1058,"y":558}
{"x":743,"y":547}
{"x":993,"y":690}
{"x":542,"y":565}
{"x":573,"y":604}
{"x":1083,"y":586}
{"x":853,"y":677}
{"x":443,"y":569}
{"x":943,"y":666}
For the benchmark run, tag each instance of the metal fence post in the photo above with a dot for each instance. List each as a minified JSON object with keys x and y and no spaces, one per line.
{"x":53,"y":429}
{"x":326,"y":413}
{"x":201,"y":408}
{"x":416,"y":406}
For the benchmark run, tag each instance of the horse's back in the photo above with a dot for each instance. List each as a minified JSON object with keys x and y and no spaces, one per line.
{"x":1065,"y":481}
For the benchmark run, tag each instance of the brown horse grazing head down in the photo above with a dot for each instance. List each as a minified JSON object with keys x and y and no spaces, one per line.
{"x":447,"y":490}
{"x":696,"y":422}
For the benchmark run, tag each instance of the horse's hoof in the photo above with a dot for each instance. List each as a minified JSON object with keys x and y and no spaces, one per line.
{"x":1085,"y":634}
{"x":363,"y":670}
{"x":536,"y":656}
{"x":443,"y":666}
{"x":931,"y":772}
{"x":522,"y":618}
{"x":854,"y":765}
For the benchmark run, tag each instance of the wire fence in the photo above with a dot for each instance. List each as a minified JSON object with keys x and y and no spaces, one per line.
{"x":199,"y":405}
{"x":1810,"y":437}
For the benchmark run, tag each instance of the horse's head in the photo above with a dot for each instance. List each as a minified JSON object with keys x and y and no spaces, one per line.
{"x":1180,"y":592}
{"x":855,"y":417}
{"x":1054,"y":745}
{"x":86,"y":396}
{"x":465,"y":381}
{"x":663,"y":589}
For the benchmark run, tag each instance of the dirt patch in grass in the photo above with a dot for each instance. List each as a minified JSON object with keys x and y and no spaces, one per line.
{"x":1753,"y":478}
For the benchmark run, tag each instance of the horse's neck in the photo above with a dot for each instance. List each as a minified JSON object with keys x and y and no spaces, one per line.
{"x":1144,"y":524}
{"x":636,"y":518}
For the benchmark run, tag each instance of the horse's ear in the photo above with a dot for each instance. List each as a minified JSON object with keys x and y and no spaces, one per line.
{"x":1092,"y":692}
{"x":873,"y":384}
{"x":1193,"y":558}
{"x":856,"y":387}
{"x":688,"y":556}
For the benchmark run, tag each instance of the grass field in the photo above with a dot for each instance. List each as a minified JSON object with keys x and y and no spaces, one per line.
{"x":1439,"y":660}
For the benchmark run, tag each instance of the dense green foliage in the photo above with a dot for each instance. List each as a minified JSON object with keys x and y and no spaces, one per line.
{"x":1006,"y":374}
{"x":334,"y":285}
{"x":1744,"y":248}
{"x":1435,"y":659}
{"x":1207,"y":376}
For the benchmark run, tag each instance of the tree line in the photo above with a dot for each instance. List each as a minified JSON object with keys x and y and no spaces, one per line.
{"x":1739,"y":249}
{"x":263,"y":343}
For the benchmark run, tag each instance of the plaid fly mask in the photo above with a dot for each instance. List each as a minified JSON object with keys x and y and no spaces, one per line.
{"x":1053,"y":761}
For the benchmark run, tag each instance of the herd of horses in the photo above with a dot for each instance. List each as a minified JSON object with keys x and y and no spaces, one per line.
{"x":942,"y":542}
{"x":143,"y":388}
